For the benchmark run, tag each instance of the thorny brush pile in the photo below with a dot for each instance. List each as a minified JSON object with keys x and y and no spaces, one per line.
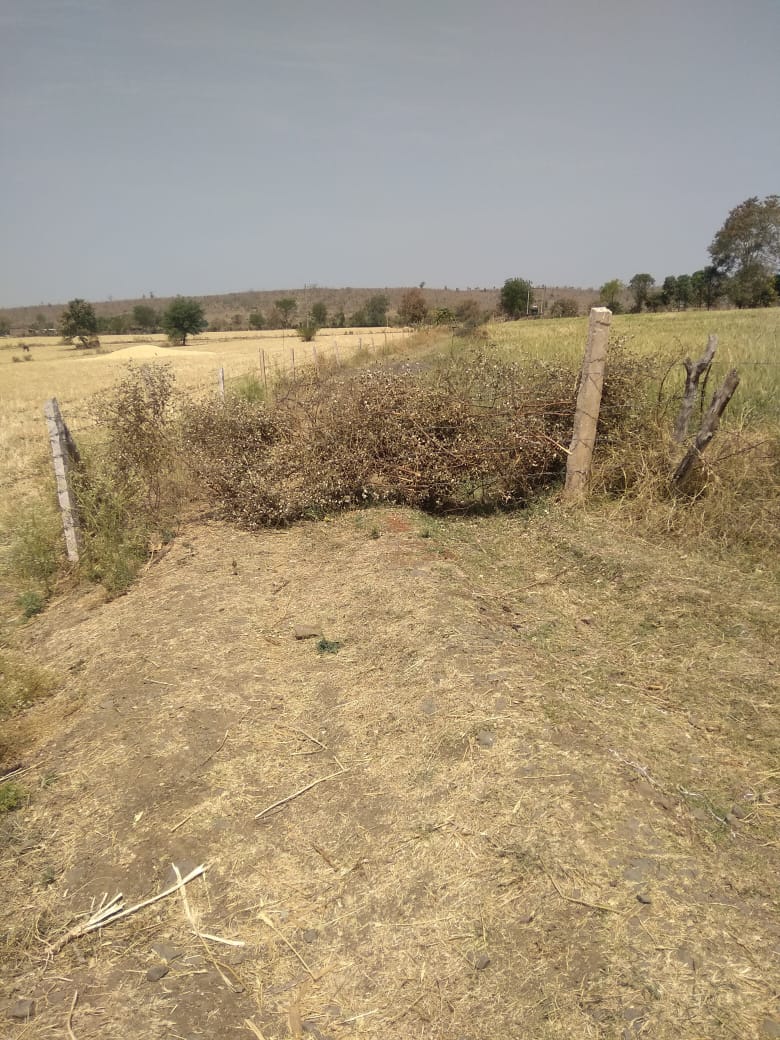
{"x":464,"y":435}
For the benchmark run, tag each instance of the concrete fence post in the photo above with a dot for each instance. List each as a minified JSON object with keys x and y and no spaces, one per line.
{"x":64,"y":455}
{"x":586,"y":416}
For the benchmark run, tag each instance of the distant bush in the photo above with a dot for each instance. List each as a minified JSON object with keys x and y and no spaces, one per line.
{"x":565,"y":307}
{"x":307,"y":330}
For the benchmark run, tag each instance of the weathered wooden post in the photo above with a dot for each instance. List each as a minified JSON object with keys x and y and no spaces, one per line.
{"x":693,"y":373}
{"x":64,"y":455}
{"x":265,"y":373}
{"x":222,"y":383}
{"x":586,"y":416}
{"x":292,"y":359}
{"x":709,"y":427}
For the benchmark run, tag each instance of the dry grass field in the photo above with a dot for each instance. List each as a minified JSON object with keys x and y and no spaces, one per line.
{"x":526,"y":786}
{"x":76,"y":376}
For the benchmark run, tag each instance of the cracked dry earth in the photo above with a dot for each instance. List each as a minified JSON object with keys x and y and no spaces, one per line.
{"x":499,"y":844}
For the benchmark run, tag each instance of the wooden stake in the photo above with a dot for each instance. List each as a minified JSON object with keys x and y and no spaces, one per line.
{"x":265,"y":373}
{"x":709,"y":426}
{"x":222,"y":383}
{"x":693,"y":373}
{"x":586,"y":416}
{"x":64,"y":455}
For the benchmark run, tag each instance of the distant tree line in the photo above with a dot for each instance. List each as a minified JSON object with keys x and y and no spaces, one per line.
{"x":745,"y":268}
{"x":744,"y":272}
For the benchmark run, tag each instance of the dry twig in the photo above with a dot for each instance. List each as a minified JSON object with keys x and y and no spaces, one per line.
{"x":69,"y":1023}
{"x":298,"y":793}
{"x":115,"y":911}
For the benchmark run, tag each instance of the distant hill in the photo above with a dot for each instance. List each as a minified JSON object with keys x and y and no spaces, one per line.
{"x":220,"y":310}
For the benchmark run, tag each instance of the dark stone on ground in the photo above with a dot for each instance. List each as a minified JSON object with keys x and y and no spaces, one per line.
{"x":310,"y":935}
{"x":157,"y":972}
{"x":486,"y":738}
{"x":165,"y":951}
{"x":22,"y":1010}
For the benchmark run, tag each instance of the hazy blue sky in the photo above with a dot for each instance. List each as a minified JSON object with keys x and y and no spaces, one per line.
{"x":184,"y":146}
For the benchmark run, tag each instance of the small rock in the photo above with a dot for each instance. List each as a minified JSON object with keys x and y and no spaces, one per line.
{"x":166,"y":952}
{"x":480,"y":961}
{"x":738,"y":811}
{"x":486,"y":738}
{"x":731,"y":819}
{"x":428,"y":706}
{"x":770,"y":1027}
{"x":643,"y":898}
{"x":22,"y":1010}
{"x":312,"y":1029}
{"x":307,"y":632}
{"x":310,"y":934}
{"x":157,"y":972}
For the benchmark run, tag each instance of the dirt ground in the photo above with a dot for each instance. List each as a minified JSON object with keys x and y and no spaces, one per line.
{"x":533,"y":793}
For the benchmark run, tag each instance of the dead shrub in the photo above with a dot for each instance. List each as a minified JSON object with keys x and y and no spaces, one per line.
{"x":474,"y":433}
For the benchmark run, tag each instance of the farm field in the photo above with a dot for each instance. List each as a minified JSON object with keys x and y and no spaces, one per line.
{"x":527,"y":787}
{"x":75,"y":376}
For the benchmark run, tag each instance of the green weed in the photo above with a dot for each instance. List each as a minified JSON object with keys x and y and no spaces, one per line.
{"x":12,"y":796}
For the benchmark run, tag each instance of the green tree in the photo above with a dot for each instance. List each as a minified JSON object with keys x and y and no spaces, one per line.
{"x":669,"y":291}
{"x":286,"y":308}
{"x":517,"y":297}
{"x":752,"y":286}
{"x":375,"y":311}
{"x":145,"y":318}
{"x":413,"y":310}
{"x":182,"y":318}
{"x":683,"y":292}
{"x":339,"y":319}
{"x":256,"y":320}
{"x":640,"y":286}
{"x":79,"y":321}
{"x":318,"y":314}
{"x":610,"y":294}
{"x":749,"y":239}
{"x":5,"y":327}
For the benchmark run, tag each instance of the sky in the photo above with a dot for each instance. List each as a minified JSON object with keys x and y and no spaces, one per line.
{"x":185,"y":146}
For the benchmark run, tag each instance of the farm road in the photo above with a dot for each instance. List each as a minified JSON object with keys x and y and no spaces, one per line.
{"x":502,"y":846}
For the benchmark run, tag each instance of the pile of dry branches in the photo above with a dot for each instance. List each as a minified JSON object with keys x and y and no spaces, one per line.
{"x":471,"y":434}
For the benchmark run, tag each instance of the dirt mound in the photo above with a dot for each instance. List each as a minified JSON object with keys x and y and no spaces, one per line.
{"x":447,"y":819}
